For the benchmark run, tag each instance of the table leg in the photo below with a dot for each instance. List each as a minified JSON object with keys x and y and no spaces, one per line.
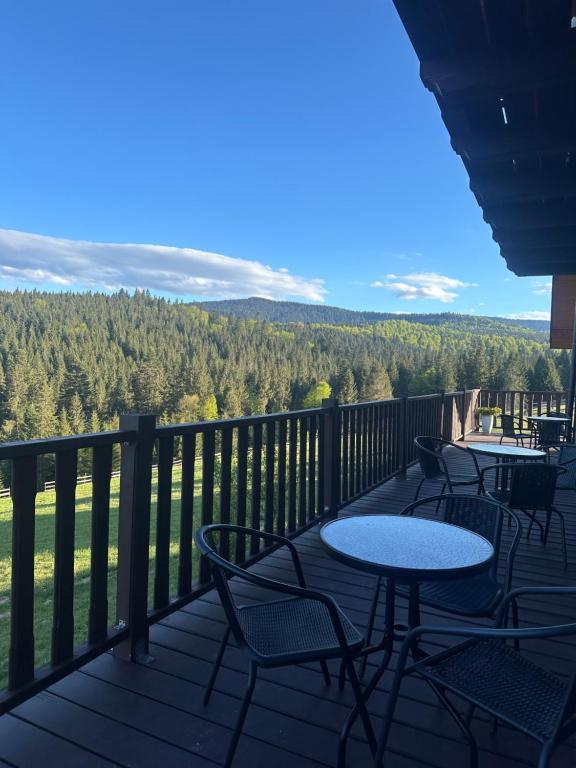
{"x":386,"y":644}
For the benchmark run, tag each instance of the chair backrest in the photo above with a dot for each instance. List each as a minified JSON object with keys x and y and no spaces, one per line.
{"x":508,"y":422}
{"x":221,"y":569}
{"x":550,"y":433}
{"x":567,"y":460}
{"x":475,"y":513}
{"x":532,"y":485}
{"x":428,"y":450}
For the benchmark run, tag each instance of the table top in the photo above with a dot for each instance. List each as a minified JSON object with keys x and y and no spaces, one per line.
{"x":407,"y":548}
{"x":505,"y":451}
{"x":563,"y":419}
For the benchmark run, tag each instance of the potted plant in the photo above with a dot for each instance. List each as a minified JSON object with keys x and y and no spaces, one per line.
{"x":487,"y":416}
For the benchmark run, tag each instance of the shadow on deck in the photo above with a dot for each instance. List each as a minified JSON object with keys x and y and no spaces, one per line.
{"x":115,"y":713}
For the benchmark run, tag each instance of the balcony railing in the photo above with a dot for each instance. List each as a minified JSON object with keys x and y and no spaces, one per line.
{"x":278,"y":473}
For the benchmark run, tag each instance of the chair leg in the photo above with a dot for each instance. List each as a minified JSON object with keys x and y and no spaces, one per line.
{"x":563,"y":532}
{"x":371,"y":619}
{"x":547,"y":526}
{"x":533,"y":520}
{"x":462,"y":725}
{"x":342,"y":676}
{"x":420,"y":484}
{"x":544,"y":759}
{"x":216,"y":666}
{"x":326,"y":673}
{"x":252,"y":672}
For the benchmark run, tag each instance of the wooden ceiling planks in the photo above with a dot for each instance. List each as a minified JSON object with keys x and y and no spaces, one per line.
{"x":504,"y":75}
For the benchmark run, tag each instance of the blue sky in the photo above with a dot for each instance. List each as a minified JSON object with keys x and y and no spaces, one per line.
{"x":284,"y":149}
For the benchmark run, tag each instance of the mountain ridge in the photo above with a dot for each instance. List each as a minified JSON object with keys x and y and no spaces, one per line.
{"x":298,"y":312}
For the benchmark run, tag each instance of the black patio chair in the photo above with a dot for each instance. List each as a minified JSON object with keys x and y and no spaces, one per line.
{"x":567,"y":460}
{"x":300,"y":626}
{"x":549,"y":435}
{"x":475,"y":596}
{"x":530,"y":488}
{"x":491,"y":675}
{"x":512,"y":428}
{"x":434,"y":466}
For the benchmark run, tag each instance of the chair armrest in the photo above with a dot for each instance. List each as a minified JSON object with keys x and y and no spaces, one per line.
{"x":274,"y":537}
{"x":497,"y":633}
{"x":469,"y":454}
{"x":512,"y":598}
{"x":489,"y":468}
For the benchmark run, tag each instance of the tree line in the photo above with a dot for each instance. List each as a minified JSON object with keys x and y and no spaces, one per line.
{"x":72,"y":362}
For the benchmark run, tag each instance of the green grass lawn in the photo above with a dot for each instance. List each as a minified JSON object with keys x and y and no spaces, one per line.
{"x":44,"y":562}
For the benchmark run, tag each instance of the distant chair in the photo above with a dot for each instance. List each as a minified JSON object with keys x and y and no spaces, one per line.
{"x":550,"y":435}
{"x":300,"y":626}
{"x":489,"y":674}
{"x":530,"y":488}
{"x":512,"y":428}
{"x":435,"y":467}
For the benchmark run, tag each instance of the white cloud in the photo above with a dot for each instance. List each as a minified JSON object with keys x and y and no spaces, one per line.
{"x":542,"y":289}
{"x":40,"y":259}
{"x":425,"y":285}
{"x":536,"y":315}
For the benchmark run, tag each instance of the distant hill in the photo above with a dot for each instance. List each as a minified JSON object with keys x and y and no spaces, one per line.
{"x":297,"y":312}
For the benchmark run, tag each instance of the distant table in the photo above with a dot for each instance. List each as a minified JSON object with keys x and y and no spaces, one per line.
{"x":404,"y":550}
{"x":506,"y":452}
{"x":552,"y":419}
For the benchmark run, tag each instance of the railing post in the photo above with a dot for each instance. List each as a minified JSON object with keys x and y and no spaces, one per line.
{"x":442,"y":404}
{"x":404,"y":435}
{"x":464,"y":414}
{"x":134,"y":535}
{"x":331,"y":468}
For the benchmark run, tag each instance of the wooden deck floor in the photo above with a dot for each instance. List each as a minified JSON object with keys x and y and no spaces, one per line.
{"x":115,"y":713}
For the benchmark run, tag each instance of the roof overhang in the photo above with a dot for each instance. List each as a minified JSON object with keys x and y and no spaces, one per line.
{"x":504,"y":75}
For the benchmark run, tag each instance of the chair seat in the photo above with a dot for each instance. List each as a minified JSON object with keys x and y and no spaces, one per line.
{"x":297,"y":627}
{"x":503,"y":681}
{"x":464,"y":479}
{"x":475,"y":596}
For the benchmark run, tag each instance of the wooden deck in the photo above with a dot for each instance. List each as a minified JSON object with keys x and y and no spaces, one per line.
{"x":115,"y":713}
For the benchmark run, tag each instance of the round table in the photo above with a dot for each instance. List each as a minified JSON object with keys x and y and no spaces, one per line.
{"x":506,"y":452}
{"x":563,"y":419}
{"x":407,"y":549}
{"x":403,"y":550}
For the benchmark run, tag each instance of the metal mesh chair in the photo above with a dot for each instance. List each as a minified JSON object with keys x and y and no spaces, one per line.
{"x":478,"y":595}
{"x":512,"y":428}
{"x":530,"y":488}
{"x":491,"y":675}
{"x":302,"y":625}
{"x":567,"y":460}
{"x":550,"y":435}
{"x":475,"y":596}
{"x":434,"y":466}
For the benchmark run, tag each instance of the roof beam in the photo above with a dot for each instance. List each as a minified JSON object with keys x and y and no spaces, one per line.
{"x":450,"y":76}
{"x":514,"y":145}
{"x":531,"y":215}
{"x":562,"y":237}
{"x":527,"y":262}
{"x":495,"y":187}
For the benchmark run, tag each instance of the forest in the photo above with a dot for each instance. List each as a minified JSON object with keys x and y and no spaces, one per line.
{"x":72,"y":362}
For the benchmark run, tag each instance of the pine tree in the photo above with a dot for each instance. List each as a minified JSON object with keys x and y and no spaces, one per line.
{"x":345,"y":387}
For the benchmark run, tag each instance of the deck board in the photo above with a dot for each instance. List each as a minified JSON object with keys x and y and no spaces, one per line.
{"x":114,"y":713}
